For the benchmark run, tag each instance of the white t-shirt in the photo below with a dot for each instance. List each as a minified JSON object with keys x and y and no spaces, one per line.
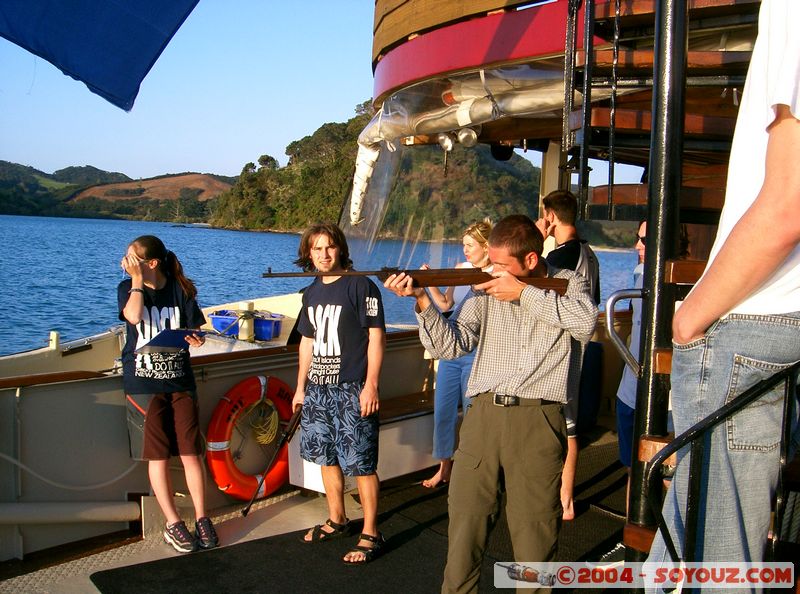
{"x":627,"y":385}
{"x":773,"y":79}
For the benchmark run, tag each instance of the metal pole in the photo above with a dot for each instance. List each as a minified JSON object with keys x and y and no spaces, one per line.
{"x":586,"y":107}
{"x":663,"y":221}
{"x":564,"y":177}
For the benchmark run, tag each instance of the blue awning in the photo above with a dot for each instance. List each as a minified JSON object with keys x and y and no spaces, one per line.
{"x":110,"y":45}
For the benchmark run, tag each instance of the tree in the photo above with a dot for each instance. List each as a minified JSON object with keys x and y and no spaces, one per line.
{"x":268,"y":162}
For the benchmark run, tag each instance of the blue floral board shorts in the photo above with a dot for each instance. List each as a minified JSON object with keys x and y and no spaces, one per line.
{"x":333,"y":432}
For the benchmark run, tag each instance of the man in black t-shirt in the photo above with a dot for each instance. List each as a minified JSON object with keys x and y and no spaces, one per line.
{"x":340,"y":357}
{"x":570,"y":253}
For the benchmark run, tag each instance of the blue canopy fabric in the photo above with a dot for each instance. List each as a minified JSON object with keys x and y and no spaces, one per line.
{"x":110,"y":45}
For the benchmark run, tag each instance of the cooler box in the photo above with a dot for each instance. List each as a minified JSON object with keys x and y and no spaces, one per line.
{"x":267,"y":325}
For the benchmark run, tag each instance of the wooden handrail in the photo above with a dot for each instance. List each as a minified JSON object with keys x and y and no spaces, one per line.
{"x":21,"y":381}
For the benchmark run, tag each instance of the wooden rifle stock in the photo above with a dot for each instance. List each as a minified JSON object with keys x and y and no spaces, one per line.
{"x":433,"y":277}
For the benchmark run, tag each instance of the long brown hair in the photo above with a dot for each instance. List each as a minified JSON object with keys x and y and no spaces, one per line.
{"x":337,"y":238}
{"x":150,"y":247}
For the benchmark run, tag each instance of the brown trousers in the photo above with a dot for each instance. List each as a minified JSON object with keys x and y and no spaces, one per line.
{"x":527,"y":445}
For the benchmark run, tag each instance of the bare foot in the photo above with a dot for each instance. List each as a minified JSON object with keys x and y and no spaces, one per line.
{"x":442,"y":475}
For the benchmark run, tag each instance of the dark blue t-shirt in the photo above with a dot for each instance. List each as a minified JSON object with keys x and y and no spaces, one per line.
{"x":338,"y":317}
{"x":567,"y":256}
{"x":168,"y":307}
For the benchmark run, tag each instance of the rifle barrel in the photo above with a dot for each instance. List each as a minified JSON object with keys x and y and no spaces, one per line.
{"x":433,"y":277}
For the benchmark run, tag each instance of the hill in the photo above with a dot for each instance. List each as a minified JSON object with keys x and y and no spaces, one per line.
{"x":91,"y":192}
{"x":87,"y":175}
{"x":174,"y":197}
{"x":432,"y":195}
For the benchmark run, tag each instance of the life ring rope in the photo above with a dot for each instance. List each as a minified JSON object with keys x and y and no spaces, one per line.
{"x":237,"y":402}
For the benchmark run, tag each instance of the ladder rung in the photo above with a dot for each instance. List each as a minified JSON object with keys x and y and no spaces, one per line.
{"x":639,"y":538}
{"x":604,"y":9}
{"x":638,"y":61}
{"x":650,"y":445}
{"x":683,"y":272}
{"x":628,"y":120}
{"x":662,"y":361}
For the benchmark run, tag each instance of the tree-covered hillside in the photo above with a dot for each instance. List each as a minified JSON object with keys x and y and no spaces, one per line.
{"x":431,"y":197}
{"x":310,"y":188}
{"x":317,"y":179}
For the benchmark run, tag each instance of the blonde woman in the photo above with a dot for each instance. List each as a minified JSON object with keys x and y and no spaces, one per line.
{"x":452,"y":376}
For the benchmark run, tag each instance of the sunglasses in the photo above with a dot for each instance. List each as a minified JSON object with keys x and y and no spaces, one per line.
{"x":641,"y":237}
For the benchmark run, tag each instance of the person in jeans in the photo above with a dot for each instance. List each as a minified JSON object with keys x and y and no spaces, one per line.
{"x":452,"y":376}
{"x":529,"y":348}
{"x":159,"y":386}
{"x":741,"y":322}
{"x":340,"y":356}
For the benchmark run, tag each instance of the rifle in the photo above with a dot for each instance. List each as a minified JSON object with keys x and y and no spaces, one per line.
{"x":433,"y":277}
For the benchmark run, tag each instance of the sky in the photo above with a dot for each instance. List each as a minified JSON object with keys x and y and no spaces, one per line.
{"x":237,"y":81}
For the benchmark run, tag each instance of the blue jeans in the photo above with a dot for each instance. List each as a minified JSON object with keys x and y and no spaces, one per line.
{"x":451,"y":387}
{"x":739,"y":479}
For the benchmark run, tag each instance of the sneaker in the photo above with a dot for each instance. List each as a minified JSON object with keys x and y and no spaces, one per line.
{"x":613,"y":558}
{"x":205,"y":533}
{"x":180,"y":538}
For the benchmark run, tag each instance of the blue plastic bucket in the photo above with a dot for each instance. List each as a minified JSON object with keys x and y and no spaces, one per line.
{"x":267,"y":325}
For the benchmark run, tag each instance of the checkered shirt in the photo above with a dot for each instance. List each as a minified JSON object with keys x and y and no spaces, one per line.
{"x":531,"y":348}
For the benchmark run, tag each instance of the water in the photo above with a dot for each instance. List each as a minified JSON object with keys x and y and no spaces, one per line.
{"x":61,"y":274}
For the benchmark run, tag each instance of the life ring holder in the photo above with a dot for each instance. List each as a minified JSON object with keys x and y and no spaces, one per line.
{"x":230,"y":407}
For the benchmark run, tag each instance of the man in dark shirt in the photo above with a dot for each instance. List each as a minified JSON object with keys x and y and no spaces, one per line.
{"x":570,"y":253}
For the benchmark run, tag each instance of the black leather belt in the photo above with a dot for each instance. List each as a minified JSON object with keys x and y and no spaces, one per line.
{"x":505,"y":400}
{"x":511,"y":400}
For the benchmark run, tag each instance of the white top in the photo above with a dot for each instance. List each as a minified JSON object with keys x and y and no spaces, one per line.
{"x":627,"y":385}
{"x":462,"y":291}
{"x":773,"y":79}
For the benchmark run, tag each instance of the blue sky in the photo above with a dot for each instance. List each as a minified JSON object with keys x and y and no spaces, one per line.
{"x":237,"y":81}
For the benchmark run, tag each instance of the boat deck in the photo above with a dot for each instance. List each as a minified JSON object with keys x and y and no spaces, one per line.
{"x":599,"y":494}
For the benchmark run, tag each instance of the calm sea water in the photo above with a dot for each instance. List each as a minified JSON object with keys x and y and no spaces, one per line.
{"x":61,"y":274}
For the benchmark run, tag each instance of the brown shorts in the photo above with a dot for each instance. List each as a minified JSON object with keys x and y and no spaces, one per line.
{"x":163,"y":425}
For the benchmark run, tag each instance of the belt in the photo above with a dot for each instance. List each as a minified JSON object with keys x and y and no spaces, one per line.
{"x":511,"y":400}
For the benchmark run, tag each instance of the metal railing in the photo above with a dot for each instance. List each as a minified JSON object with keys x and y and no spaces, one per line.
{"x":695,"y":435}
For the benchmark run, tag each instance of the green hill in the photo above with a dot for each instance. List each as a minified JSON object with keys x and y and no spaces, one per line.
{"x":432,"y":197}
{"x":88,"y":176}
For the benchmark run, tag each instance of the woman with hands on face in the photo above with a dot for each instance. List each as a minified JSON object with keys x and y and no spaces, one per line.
{"x":160,"y":386}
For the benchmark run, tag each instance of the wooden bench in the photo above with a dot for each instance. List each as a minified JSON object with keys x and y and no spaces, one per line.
{"x":405,"y":442}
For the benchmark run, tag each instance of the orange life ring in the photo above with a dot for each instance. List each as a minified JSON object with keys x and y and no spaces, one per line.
{"x":228,"y":477}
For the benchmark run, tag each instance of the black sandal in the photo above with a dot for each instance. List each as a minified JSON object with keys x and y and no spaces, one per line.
{"x":370,"y":553}
{"x":320,"y":535}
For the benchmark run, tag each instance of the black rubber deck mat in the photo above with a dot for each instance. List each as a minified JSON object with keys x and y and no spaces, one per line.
{"x":414,"y":521}
{"x":414,"y":559}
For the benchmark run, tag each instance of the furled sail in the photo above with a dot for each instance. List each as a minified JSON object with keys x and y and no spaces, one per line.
{"x":109,"y":46}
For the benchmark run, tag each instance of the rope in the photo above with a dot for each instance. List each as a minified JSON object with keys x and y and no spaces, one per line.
{"x":62,"y":485}
{"x":265,"y":423}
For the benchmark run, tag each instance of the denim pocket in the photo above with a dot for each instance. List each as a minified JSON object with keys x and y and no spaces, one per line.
{"x":689,"y":345}
{"x":757,"y":427}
